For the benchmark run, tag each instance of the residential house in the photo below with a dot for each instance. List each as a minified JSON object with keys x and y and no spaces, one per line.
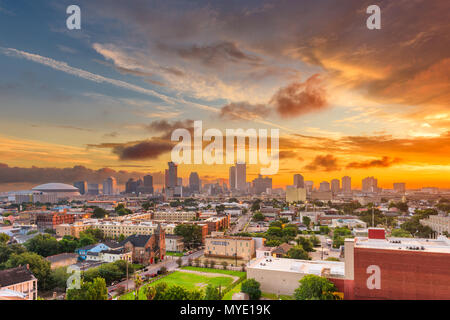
{"x":19,"y":279}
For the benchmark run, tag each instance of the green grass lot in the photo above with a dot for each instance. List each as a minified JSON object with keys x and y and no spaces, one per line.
{"x":230,"y":272}
{"x":189,"y":281}
{"x":230,"y":293}
{"x":176,"y":254}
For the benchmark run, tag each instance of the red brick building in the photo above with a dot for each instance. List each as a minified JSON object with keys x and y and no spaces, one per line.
{"x":396,"y":268}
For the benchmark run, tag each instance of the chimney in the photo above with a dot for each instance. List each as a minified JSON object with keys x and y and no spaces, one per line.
{"x":377,"y":233}
{"x":28,"y":266}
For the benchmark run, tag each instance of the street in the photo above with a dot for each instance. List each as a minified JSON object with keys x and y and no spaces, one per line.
{"x":169,"y":262}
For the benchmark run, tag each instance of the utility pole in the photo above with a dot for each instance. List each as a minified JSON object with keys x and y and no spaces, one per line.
{"x":373,"y":223}
{"x":127,"y":274}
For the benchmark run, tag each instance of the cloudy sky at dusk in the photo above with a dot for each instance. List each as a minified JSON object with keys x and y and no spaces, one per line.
{"x":347,"y":100}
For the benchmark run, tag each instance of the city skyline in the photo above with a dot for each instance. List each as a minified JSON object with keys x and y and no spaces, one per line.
{"x":348,"y":101}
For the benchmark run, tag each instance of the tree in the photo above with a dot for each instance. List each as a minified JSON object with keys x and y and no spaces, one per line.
{"x":400,"y":233}
{"x":191,"y":233}
{"x":163,"y":270}
{"x":94,"y":233}
{"x":160,"y":289}
{"x":252,"y":288}
{"x":314,"y":240}
{"x":99,"y":213}
{"x":4,"y":238}
{"x":137,"y":284}
{"x":95,"y":290}
{"x":306,"y":244}
{"x":313,"y":287}
{"x":212,"y":293}
{"x":275,"y":231}
{"x":176,"y":292}
{"x":306,"y":221}
{"x":258,"y":216}
{"x":212,"y":263}
{"x":58,"y":278}
{"x":179,"y":262}
{"x":150,"y":292}
{"x":43,"y":244}
{"x":256,"y":205}
{"x":224,"y":265}
{"x":7,"y":250}
{"x":38,"y":266}
{"x":297,"y":252}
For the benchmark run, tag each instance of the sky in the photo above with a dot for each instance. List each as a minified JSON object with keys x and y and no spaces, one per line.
{"x":104,"y":100}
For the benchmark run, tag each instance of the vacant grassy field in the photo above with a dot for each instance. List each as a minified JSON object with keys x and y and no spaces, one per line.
{"x":189,"y":281}
{"x":209,"y":270}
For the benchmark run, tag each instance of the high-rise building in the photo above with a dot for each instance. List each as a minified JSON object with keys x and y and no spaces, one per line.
{"x":131,"y":186}
{"x":370,"y":184}
{"x":335,"y":186}
{"x":179,"y":181}
{"x":241,"y":176}
{"x":324,"y":186}
{"x":145,"y":186}
{"x":399,"y":187}
{"x":309,"y":185}
{"x":232,"y":178}
{"x":93,"y":189}
{"x":261,"y":184}
{"x":171,"y":175}
{"x":109,"y":186}
{"x":82,"y":186}
{"x":294,"y":194}
{"x":299,"y":182}
{"x":346,"y":184}
{"x":194,"y":182}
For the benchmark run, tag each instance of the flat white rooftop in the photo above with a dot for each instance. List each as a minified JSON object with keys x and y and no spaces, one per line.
{"x":439,"y":245}
{"x":337,"y":269}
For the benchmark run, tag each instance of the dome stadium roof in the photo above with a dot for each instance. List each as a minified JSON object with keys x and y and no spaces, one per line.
{"x":56,"y":187}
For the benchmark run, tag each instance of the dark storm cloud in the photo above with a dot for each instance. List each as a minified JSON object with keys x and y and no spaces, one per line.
{"x":323,"y":163}
{"x":384,"y":162}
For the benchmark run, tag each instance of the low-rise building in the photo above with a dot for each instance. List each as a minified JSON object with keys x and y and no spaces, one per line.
{"x":439,"y":224}
{"x":62,"y":260}
{"x":281,"y":275}
{"x":174,"y":243}
{"x":21,"y":280}
{"x":220,"y":246}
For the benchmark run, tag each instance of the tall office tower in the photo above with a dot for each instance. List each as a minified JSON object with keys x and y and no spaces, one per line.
{"x":324,"y":186}
{"x":131,"y":186}
{"x":335,"y":186}
{"x":194,"y":182}
{"x":309,"y":185}
{"x":148,"y":184}
{"x":261,"y":184}
{"x":399,"y":187}
{"x":109,"y":186}
{"x":171,"y":175}
{"x":299,"y":182}
{"x":179,"y":181}
{"x":346,"y":184}
{"x":232,"y":178}
{"x":241,"y":176}
{"x":82,"y":186}
{"x":93,"y":189}
{"x":370,"y":184}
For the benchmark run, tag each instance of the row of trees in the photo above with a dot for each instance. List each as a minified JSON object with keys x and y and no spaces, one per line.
{"x":46,"y":245}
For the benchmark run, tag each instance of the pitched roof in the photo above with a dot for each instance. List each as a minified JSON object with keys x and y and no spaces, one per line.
{"x":112,"y":244}
{"x":282,"y":248}
{"x":138,"y":240}
{"x":15,"y":275}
